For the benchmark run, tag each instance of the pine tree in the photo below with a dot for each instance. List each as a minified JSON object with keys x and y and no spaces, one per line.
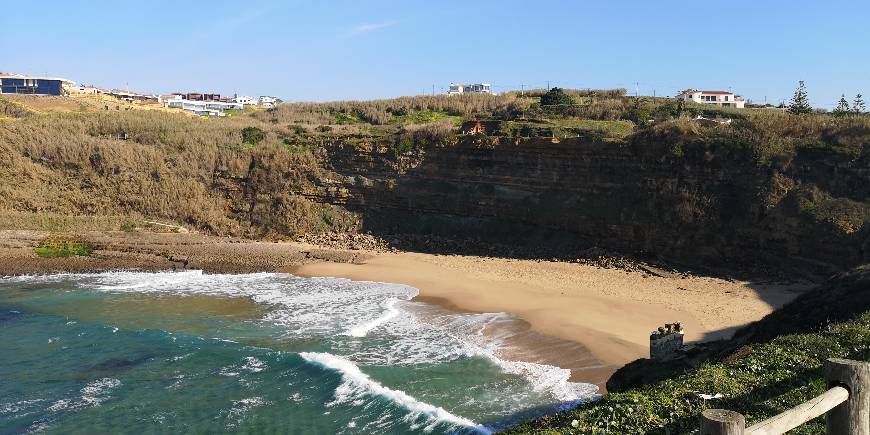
{"x":800,"y":103}
{"x":842,"y":107}
{"x":858,"y":104}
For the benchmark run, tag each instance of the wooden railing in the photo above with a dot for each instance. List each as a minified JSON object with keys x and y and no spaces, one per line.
{"x":846,"y":406}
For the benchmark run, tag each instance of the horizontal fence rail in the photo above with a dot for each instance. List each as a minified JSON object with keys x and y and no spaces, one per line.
{"x":800,"y":414}
{"x":845,"y":405}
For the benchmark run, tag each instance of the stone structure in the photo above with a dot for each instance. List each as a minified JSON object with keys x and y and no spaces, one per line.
{"x":665,"y":342}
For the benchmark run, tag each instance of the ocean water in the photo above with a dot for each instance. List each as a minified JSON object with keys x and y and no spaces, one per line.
{"x":129,"y":352}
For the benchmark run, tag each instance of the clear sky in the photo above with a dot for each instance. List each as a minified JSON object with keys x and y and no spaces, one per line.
{"x":358,"y":49}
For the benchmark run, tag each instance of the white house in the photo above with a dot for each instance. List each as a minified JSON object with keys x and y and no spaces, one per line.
{"x":718,"y":98}
{"x":202,"y":108}
{"x":267,"y":102}
{"x":477,"y":88}
{"x":244,"y":100}
{"x":88,"y":89}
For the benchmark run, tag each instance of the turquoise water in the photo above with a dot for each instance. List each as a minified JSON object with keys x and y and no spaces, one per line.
{"x":188,"y":352}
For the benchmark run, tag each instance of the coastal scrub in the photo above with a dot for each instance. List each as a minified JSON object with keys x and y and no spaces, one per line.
{"x":760,"y":381}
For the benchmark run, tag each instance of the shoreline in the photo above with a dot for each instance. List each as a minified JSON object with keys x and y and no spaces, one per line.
{"x":579,"y":317}
{"x":610,"y":312}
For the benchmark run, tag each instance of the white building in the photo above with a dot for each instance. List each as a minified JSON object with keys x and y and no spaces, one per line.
{"x":244,"y":100}
{"x":718,"y":98}
{"x":89,"y":90}
{"x":267,"y":102}
{"x":477,"y":88}
{"x":202,"y":108}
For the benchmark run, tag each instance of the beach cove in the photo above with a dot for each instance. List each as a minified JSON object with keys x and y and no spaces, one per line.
{"x":588,"y":319}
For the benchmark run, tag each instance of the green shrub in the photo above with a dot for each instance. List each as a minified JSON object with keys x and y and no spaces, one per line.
{"x":556,"y":97}
{"x":297,"y":129}
{"x":252,"y":135}
{"x":345,"y":118}
{"x":61,"y":248}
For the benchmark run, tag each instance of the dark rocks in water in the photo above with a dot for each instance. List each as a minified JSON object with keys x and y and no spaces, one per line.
{"x":122,"y":363}
{"x":9,"y":315}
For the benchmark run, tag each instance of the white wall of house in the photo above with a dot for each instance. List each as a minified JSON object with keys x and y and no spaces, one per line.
{"x":245,"y":100}
{"x":267,"y":101}
{"x":722,"y":99}
{"x":476,"y":88}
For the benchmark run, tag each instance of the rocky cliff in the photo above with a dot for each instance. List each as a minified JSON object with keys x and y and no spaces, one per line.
{"x":700,"y":203}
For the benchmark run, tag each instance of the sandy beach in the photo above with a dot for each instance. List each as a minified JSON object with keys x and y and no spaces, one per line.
{"x":608,"y":311}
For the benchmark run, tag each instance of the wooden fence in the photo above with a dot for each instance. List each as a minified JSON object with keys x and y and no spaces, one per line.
{"x":846,"y":406}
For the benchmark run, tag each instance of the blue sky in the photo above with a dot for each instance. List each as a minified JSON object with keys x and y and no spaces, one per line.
{"x":327,"y":50}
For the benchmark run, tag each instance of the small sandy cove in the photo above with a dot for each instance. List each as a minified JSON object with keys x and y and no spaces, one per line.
{"x":609,"y":311}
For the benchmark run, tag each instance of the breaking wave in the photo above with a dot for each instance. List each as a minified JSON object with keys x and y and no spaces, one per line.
{"x":356,"y":384}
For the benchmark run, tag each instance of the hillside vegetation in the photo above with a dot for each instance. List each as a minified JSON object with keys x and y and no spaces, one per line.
{"x":318,"y":167}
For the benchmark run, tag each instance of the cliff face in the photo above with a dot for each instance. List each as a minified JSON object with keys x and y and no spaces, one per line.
{"x":704,"y":204}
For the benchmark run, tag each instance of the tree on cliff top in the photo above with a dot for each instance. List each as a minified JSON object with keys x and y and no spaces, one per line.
{"x":556,"y":97}
{"x":842,"y":106}
{"x":858,"y":104}
{"x":800,"y":103}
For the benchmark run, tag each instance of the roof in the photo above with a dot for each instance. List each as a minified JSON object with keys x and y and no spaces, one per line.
{"x":20,"y":76}
{"x":693,"y":91}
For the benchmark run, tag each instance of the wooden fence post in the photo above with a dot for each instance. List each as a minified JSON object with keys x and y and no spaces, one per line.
{"x":722,"y":422}
{"x":851,"y":417}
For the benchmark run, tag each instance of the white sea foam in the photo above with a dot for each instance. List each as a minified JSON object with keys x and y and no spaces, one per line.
{"x":356,"y":384}
{"x":240,"y":409}
{"x":16,"y":407}
{"x":254,"y":365}
{"x":93,"y":394}
{"x":362,"y":330}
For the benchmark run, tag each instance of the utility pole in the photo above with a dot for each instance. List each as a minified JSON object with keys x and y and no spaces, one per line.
{"x":522,"y":90}
{"x":636,"y":90}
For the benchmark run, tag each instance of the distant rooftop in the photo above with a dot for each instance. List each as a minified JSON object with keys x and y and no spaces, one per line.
{"x":21,"y":76}
{"x":692,"y":91}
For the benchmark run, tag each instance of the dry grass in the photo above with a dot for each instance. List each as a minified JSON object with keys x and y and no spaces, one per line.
{"x":173,"y":167}
{"x":382,"y":112}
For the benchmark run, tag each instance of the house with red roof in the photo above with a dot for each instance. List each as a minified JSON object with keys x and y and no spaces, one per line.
{"x":718,"y":98}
